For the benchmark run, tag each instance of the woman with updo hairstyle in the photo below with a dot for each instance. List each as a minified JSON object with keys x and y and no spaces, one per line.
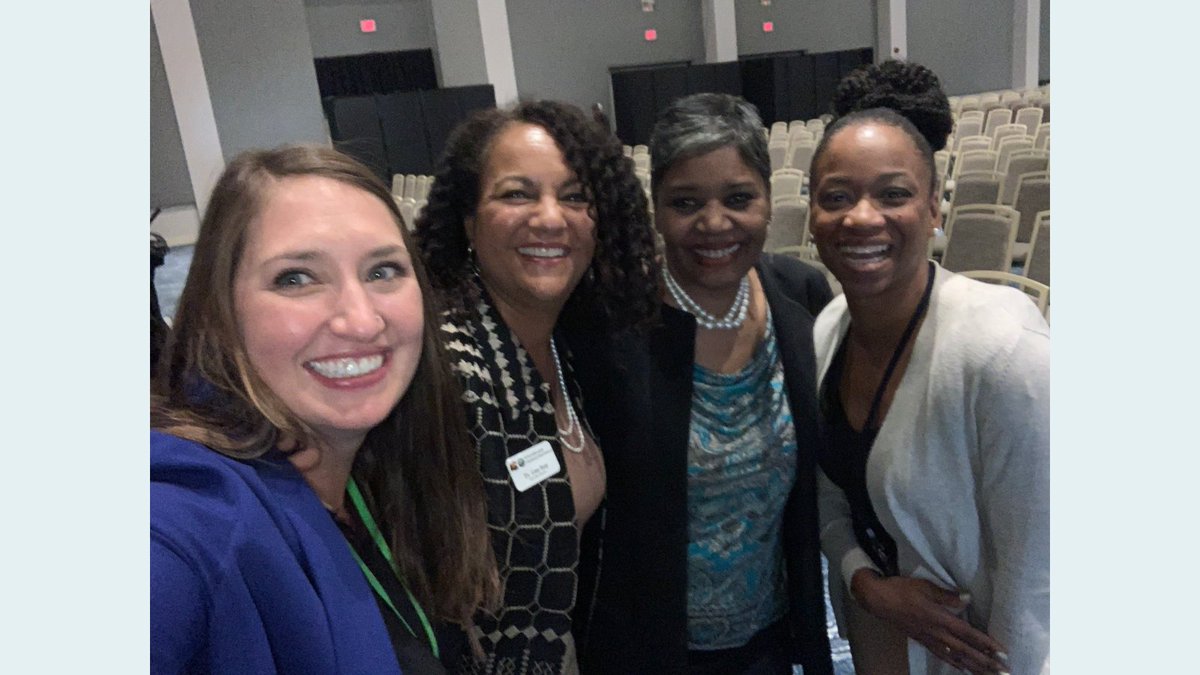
{"x":934,"y":392}
{"x":902,"y":86}
{"x":535,"y":223}
{"x":712,"y":558}
{"x":314,"y":506}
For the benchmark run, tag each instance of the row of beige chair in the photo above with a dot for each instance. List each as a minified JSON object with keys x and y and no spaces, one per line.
{"x":808,"y":254}
{"x":1030,"y":116}
{"x":787,"y":182}
{"x":1004,"y":135}
{"x":968,"y":137}
{"x":410,"y":209}
{"x":1008,"y":170}
{"x":1038,"y":292}
{"x":1029,"y":190}
{"x":411,"y":186}
{"x":789,"y":223}
{"x":814,"y":126}
{"x":1033,"y":197}
{"x":986,"y":101}
{"x":995,"y":237}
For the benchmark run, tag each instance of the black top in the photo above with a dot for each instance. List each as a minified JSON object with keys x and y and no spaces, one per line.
{"x":533,"y":532}
{"x":843,"y":456}
{"x":413,"y":653}
{"x":637,"y":389}
{"x":843,"y":451}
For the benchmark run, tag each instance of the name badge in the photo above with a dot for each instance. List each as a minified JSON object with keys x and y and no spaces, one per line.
{"x":532,"y":466}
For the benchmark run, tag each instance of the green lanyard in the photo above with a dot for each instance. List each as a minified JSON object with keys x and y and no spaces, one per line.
{"x":365,"y":514}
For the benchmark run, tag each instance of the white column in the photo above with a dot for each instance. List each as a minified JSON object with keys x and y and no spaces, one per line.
{"x":458,"y":43}
{"x":497,"y":50}
{"x":891,"y":24}
{"x":473,"y":45}
{"x":720,"y":31}
{"x":189,"y":94}
{"x":1026,"y":36}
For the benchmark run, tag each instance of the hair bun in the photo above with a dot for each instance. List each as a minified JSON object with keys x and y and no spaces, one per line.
{"x":908,"y":88}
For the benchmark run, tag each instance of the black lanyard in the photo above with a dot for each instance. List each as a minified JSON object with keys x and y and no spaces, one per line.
{"x":904,"y":339}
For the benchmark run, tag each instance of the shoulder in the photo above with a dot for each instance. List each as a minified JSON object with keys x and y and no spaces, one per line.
{"x":991,"y":332}
{"x":791,"y":278}
{"x":988,"y":315}
{"x":201,"y":500}
{"x":790,"y":272}
{"x":830,"y":324}
{"x":178,"y":461}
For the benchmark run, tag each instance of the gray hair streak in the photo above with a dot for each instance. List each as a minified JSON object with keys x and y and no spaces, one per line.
{"x":700,"y":123}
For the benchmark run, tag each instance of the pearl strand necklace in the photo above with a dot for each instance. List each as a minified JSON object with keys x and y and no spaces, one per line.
{"x":574,"y":428}
{"x":734,"y":318}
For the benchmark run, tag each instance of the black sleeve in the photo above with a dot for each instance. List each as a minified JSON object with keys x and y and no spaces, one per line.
{"x":800,"y":281}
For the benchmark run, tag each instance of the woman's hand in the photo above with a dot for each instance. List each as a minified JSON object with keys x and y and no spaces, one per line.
{"x":927,"y":613}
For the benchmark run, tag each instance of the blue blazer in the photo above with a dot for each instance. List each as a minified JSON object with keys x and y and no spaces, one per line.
{"x":249,"y":574}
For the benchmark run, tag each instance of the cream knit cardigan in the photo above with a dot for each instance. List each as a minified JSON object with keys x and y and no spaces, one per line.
{"x":959,"y":473}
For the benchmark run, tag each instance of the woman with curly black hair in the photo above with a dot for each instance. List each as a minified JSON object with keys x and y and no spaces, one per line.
{"x":535,"y":220}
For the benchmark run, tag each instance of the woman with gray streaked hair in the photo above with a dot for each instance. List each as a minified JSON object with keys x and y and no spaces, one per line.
{"x":712,"y":556}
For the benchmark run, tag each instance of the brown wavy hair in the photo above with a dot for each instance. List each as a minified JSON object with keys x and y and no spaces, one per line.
{"x":416,"y":467}
{"x":622,"y":283}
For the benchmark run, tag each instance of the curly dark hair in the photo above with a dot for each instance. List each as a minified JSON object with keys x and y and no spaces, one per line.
{"x":909,"y":88}
{"x":622,"y":280}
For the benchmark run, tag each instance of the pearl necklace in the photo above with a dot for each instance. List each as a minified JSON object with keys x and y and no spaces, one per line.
{"x":574,"y":428}
{"x":734,"y":318}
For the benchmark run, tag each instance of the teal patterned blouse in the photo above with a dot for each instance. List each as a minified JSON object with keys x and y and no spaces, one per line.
{"x":741,"y":466}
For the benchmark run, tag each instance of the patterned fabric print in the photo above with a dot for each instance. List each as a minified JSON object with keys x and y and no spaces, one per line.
{"x":741,"y":466}
{"x":533,"y":533}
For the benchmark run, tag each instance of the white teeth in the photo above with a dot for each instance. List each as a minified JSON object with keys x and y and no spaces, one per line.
{"x":347,"y":367}
{"x":718,"y":252}
{"x":864,"y":250}
{"x":542,"y":252}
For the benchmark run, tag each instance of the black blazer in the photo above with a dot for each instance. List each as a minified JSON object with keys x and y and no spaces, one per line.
{"x":631,"y":614}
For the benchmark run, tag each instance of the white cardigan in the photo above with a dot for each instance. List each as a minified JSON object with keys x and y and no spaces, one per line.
{"x":959,"y":473}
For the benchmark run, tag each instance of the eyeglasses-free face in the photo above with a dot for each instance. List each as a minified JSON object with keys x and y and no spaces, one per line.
{"x":534,"y":229}
{"x":872,"y":209}
{"x":712,"y":212}
{"x":328,"y":306}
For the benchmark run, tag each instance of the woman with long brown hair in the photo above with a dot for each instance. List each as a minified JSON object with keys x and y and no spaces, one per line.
{"x":314,"y":506}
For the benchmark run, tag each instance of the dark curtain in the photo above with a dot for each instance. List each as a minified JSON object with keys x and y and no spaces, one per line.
{"x":402,"y":132}
{"x":377,"y":73}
